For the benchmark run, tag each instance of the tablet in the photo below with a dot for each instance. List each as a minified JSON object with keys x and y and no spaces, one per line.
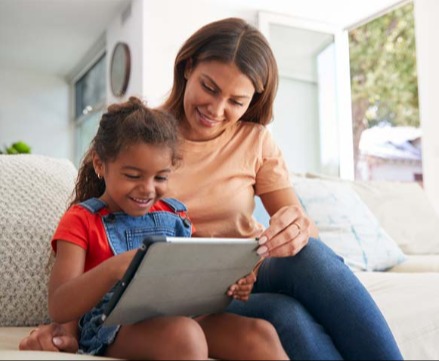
{"x":172,"y":276}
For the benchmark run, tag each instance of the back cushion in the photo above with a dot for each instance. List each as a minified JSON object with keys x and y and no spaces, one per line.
{"x":347,"y":225}
{"x":405,"y":212}
{"x":34,"y":193}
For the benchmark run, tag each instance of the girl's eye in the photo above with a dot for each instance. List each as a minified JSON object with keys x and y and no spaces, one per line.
{"x":161,"y":179}
{"x":132,"y":176}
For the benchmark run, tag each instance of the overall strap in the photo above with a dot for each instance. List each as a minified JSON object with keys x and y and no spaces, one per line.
{"x":175,"y":204}
{"x":93,"y":205}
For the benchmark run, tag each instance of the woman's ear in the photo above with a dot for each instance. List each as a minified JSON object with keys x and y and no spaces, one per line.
{"x":188,"y":69}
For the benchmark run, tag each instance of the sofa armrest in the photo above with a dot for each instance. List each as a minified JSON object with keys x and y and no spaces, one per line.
{"x":34,"y":193}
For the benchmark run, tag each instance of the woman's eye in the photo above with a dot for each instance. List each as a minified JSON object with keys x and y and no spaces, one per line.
{"x":235,"y":102}
{"x":208,"y":88}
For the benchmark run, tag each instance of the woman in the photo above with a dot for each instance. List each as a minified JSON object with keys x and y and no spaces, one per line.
{"x":225,"y":81}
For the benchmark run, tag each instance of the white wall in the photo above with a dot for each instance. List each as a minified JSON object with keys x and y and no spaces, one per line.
{"x":34,"y":108}
{"x":427,"y":47}
{"x":295,"y":127}
{"x":154,"y":31}
{"x":128,"y":27}
{"x":167,"y":24}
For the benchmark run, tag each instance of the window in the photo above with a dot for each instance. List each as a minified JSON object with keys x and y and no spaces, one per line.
{"x":90,"y":95}
{"x":312,"y":107}
{"x":386,"y":132}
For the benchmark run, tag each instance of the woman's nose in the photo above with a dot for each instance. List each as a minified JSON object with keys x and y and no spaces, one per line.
{"x":216,"y":108}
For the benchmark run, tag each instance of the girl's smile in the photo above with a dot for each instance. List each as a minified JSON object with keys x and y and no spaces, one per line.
{"x":136,"y":179}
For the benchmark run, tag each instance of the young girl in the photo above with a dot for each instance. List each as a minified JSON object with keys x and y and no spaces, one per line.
{"x":117,"y":202}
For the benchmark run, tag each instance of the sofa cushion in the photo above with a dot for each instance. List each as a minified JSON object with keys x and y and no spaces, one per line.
{"x":405,"y":212}
{"x":402,"y":209}
{"x":34,"y":192}
{"x":408,"y":301}
{"x":346,"y":224}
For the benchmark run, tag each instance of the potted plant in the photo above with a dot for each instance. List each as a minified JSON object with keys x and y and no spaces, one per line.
{"x":19,"y":147}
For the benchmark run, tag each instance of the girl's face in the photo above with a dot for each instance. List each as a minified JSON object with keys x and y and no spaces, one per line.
{"x":136,"y":179}
{"x":217,"y":95}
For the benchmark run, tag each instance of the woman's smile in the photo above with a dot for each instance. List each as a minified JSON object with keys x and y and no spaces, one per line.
{"x":206,"y":120}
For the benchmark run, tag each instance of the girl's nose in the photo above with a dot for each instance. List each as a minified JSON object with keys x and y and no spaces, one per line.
{"x":147,"y":187}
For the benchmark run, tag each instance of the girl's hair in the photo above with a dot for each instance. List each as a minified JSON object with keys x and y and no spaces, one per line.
{"x":230,"y":40}
{"x":123,"y":125}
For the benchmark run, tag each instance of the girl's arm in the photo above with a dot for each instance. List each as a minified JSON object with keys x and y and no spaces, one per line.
{"x":289,"y":228}
{"x":73,"y":292}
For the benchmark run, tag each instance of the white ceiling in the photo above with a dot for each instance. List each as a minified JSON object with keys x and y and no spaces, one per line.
{"x":52,"y":36}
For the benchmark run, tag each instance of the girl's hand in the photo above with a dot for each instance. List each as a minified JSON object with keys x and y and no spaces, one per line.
{"x":287,"y":234}
{"x":241,"y":290}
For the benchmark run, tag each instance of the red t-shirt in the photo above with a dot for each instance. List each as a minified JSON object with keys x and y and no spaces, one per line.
{"x":85,"y":229}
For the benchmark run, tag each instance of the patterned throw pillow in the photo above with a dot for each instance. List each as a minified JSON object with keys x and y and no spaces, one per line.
{"x":347,"y":225}
{"x":34,"y":192}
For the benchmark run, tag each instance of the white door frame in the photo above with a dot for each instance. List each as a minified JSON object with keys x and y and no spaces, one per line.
{"x":343,"y":83}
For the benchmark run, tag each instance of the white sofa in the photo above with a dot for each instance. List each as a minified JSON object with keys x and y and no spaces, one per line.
{"x":33,"y":195}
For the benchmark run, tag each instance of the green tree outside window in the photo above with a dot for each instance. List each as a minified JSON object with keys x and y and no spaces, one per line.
{"x":383,"y":73}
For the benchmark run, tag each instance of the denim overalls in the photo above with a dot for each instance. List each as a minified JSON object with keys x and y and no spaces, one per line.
{"x":125,"y":233}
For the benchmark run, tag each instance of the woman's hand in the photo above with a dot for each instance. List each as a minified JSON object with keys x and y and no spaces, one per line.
{"x":53,"y":337}
{"x":241,"y":290}
{"x":287,"y":234}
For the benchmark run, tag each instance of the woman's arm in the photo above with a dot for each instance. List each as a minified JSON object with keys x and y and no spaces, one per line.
{"x":73,"y":292}
{"x":289,"y":228}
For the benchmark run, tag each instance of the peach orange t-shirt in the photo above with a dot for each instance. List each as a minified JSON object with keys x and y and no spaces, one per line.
{"x":219,"y":178}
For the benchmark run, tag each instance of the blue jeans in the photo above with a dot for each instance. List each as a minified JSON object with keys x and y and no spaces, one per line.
{"x":319,"y":308}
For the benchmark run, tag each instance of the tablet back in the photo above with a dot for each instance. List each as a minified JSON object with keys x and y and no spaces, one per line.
{"x":181,"y":276}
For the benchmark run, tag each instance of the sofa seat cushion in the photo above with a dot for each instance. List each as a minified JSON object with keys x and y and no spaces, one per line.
{"x":409,"y":302}
{"x":10,"y":337}
{"x":45,"y":355}
{"x":34,"y":194}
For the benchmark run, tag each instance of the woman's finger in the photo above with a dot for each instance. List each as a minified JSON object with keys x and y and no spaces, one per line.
{"x":290,"y":248}
{"x":281,"y":220}
{"x":288,"y":243}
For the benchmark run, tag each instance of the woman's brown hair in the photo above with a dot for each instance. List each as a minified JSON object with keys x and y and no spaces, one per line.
{"x":123,"y":125}
{"x":230,"y":40}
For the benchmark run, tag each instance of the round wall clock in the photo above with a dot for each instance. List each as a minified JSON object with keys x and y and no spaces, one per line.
{"x":120,"y":69}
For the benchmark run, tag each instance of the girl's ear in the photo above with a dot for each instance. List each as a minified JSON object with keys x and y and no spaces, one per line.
{"x":98,"y":165}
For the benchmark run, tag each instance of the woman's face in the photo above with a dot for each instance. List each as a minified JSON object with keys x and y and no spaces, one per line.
{"x":217,"y":95}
